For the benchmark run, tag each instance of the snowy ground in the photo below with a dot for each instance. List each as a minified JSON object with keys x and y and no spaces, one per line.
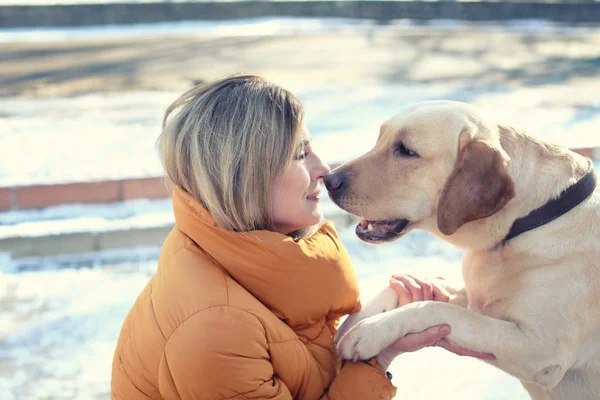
{"x":104,"y":128}
{"x":267,"y":26}
{"x":58,"y":328}
{"x":535,"y":75}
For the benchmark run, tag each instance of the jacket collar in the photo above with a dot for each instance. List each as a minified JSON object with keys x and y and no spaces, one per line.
{"x":301,"y":281}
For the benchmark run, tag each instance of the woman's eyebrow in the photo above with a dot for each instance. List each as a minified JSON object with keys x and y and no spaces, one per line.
{"x":304,"y":142}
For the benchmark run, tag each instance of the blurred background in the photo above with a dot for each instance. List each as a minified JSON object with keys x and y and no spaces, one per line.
{"x":84,"y":84}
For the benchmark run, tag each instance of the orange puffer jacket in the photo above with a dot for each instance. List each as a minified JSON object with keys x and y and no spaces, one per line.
{"x":232,"y":315}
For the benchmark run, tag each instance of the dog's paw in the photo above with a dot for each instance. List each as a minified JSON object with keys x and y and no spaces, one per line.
{"x":363,"y":341}
{"x":347,"y":325}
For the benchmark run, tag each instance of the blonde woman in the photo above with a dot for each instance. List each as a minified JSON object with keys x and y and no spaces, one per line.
{"x":250,"y":283}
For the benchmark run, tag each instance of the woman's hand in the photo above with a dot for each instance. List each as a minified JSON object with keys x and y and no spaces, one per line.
{"x":433,"y":336}
{"x":410,"y":289}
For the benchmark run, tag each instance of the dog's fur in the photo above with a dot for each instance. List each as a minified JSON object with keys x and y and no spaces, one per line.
{"x":534,"y":301}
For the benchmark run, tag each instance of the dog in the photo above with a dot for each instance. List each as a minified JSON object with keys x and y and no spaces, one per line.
{"x":527,"y":214}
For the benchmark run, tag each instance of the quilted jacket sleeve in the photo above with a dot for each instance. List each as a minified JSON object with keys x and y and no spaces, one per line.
{"x":361,"y":381}
{"x":222,"y":353}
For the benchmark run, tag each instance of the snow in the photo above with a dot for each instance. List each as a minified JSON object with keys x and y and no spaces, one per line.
{"x":91,"y":224}
{"x":108,"y":127}
{"x":59,"y":327}
{"x":268,"y":26}
{"x":124,"y":127}
{"x":58,"y":334}
{"x":97,"y":218}
{"x":112,"y":211}
{"x":119,"y":127}
{"x":95,"y":259}
{"x":254,"y":26}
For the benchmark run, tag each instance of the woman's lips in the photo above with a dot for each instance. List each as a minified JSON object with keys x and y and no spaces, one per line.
{"x":314,"y":196}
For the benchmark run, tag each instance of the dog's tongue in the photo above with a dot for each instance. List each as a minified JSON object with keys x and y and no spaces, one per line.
{"x":380,"y":231}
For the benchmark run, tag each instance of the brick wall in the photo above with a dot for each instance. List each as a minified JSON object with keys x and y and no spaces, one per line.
{"x":586,"y":152}
{"x":40,"y":196}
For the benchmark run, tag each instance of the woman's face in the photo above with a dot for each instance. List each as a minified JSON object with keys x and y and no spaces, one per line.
{"x":295,"y":193}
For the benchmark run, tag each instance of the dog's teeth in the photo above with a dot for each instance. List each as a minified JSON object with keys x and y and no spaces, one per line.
{"x":369,"y":228}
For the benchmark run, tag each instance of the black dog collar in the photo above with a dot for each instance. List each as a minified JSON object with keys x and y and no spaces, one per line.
{"x":554,"y":208}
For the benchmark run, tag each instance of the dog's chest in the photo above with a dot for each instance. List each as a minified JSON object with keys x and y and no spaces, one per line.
{"x":487,"y":282}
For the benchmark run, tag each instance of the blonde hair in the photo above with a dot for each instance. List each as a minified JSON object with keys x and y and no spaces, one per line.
{"x":228,"y":142}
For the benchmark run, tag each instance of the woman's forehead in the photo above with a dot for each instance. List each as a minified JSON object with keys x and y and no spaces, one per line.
{"x":304,"y":135}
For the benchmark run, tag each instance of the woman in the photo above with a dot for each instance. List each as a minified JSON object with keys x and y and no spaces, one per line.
{"x":250,"y":285}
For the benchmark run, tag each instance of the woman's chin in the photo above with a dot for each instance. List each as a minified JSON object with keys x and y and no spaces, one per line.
{"x":310,"y":218}
{"x":317,"y":216}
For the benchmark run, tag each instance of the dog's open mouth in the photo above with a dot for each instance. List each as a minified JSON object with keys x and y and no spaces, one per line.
{"x":380,"y":231}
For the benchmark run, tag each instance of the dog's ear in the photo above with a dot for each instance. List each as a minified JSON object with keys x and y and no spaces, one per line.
{"x":479,"y":186}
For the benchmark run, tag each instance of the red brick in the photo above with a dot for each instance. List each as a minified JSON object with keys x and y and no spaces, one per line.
{"x":50,"y":195}
{"x":586,"y":152}
{"x":147,"y":188}
{"x":5,"y":202}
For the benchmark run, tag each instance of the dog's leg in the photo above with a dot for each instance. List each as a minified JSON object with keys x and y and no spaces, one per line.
{"x":387,"y":300}
{"x":458,"y":294}
{"x":576,"y":384}
{"x":535,"y":391}
{"x":580,"y":384}
{"x":537,"y":360}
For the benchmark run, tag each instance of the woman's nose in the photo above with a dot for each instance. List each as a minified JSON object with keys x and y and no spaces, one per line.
{"x":319,"y":168}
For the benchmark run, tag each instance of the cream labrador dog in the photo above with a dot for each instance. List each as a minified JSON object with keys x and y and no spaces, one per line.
{"x":528,"y":216}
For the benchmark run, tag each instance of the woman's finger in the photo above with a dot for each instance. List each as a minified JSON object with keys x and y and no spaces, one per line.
{"x":444,"y":343}
{"x":404,"y":296}
{"x":426,"y":287}
{"x":440,"y":293}
{"x":416,"y":341}
{"x":414,"y":288}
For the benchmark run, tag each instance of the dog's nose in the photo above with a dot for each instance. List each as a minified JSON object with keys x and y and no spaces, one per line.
{"x":334,"y":181}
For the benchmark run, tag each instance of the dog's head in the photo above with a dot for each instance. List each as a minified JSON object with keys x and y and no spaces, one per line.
{"x":435,"y":166}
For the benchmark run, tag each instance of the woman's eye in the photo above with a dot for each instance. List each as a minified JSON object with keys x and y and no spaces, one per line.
{"x":403,"y":151}
{"x":302,"y":155}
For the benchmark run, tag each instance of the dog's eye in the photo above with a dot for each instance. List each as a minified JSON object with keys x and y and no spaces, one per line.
{"x":403,"y":151}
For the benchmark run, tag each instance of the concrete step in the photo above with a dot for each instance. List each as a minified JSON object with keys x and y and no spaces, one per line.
{"x":72,"y":234}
